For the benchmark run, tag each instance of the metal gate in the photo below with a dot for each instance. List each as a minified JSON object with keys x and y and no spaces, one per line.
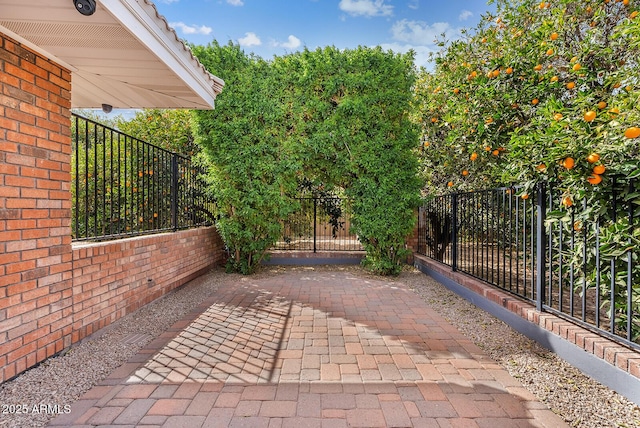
{"x":321,"y":224}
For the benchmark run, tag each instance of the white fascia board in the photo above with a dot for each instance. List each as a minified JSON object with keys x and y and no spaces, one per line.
{"x":163,"y":43}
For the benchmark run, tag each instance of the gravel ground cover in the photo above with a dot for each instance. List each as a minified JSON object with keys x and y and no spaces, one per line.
{"x":581,"y":401}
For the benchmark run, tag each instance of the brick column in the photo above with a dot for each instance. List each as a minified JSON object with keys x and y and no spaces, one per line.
{"x":35,"y":208}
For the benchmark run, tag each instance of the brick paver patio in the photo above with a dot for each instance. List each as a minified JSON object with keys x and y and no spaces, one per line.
{"x":311,"y":349}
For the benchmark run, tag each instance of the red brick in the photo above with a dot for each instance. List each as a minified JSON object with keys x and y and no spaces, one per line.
{"x":13,"y":235}
{"x":21,"y":351}
{"x":19,"y":181}
{"x":20,"y":203}
{"x":34,"y":233}
{"x":634,"y":367}
{"x":9,"y":279}
{"x":9,"y":169}
{"x":49,"y":165}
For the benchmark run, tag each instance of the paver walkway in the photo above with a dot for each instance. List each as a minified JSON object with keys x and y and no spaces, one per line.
{"x":311,"y":349}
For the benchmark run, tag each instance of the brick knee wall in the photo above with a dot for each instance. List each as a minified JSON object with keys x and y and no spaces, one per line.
{"x":52,"y":295}
{"x":112,"y":279}
{"x":619,"y":356}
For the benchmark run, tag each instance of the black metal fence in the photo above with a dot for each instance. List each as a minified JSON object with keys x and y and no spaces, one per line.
{"x":123,"y":186}
{"x":321,"y":224}
{"x":580,"y":263}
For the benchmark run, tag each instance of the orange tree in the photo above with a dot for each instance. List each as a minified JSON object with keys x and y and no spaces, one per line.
{"x":541,"y":92}
{"x":534,"y":85}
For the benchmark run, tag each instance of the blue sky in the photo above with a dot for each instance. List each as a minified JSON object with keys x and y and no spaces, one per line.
{"x":277,"y":27}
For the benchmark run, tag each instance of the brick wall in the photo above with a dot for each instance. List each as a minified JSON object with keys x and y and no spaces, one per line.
{"x":52,"y":295}
{"x":111,"y":279}
{"x":35,"y":202}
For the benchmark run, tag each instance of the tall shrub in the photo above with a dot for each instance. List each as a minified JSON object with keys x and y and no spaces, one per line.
{"x":350,"y":111}
{"x":251,"y":174}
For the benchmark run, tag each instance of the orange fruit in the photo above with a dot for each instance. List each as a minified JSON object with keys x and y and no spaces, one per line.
{"x":541,"y":167}
{"x":509,"y":70}
{"x":434,"y":119}
{"x":557,"y":116}
{"x":525,"y":196}
{"x":567,"y":201}
{"x":549,"y":52}
{"x":426,"y":144}
{"x":571,"y":85}
{"x":594,"y":179}
{"x":495,"y":152}
{"x":614,"y":111}
{"x":593,"y":158}
{"x":538,"y":67}
{"x":589,"y":116}
{"x":450,"y":184}
{"x":554,"y":36}
{"x":599,"y":169}
{"x":633,"y":132}
{"x":456,"y":91}
{"x":568,"y":163}
{"x":576,"y":67}
{"x":602,"y":105}
{"x":465,"y":172}
{"x":473,"y":156}
{"x":535,"y":101}
{"x":488,"y":148}
{"x":633,"y":14}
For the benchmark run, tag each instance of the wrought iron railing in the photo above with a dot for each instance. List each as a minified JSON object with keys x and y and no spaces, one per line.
{"x":123,"y":186}
{"x":320,"y":224}
{"x":572,"y":262}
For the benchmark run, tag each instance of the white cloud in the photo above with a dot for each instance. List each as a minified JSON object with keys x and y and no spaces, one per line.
{"x":421,"y":38}
{"x":250,"y":39}
{"x":366,"y":7}
{"x":421,"y":33}
{"x":191,"y":29}
{"x":414,"y":4}
{"x":292,"y":43}
{"x":465,"y":14}
{"x":235,"y":2}
{"x":421,"y":53}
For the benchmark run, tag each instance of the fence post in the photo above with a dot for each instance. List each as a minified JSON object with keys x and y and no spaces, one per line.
{"x":174,"y":191}
{"x":541,"y":243}
{"x":454,"y":232}
{"x":315,"y":222}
